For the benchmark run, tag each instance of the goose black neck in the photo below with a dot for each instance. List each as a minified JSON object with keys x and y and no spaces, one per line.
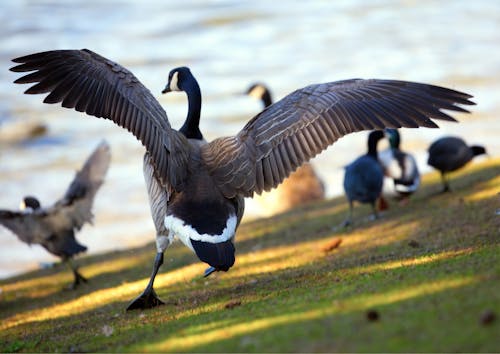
{"x":373,"y":140}
{"x":191,"y":128}
{"x":267,"y":100}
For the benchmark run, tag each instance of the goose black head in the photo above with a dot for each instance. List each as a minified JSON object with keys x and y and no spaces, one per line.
{"x":178,"y":79}
{"x":393,"y":136}
{"x":29,"y":202}
{"x":220,"y":256}
{"x":260,"y":92}
{"x":181,"y":79}
{"x":478,"y":150}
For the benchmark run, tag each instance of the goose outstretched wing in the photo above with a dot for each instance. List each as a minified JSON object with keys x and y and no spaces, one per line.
{"x":28,"y":227}
{"x":298,"y":127}
{"x":90,"y":83}
{"x":70,"y":212}
{"x":76,"y":205}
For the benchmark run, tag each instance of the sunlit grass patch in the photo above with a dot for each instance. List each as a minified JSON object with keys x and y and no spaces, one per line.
{"x":428,"y":271}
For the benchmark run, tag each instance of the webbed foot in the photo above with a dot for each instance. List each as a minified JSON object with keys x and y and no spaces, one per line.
{"x":77,"y":280}
{"x":148,"y":299}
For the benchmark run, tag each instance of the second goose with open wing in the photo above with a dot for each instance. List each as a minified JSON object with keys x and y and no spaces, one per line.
{"x":54,"y":227}
{"x":196,"y":188}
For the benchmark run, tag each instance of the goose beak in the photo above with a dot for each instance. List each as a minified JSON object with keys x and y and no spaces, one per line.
{"x":166,"y":89}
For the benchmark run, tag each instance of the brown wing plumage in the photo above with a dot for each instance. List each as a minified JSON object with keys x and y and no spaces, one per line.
{"x":29,"y":228}
{"x":295,"y":129}
{"x":90,"y":83}
{"x":71,"y":211}
{"x":76,"y":205}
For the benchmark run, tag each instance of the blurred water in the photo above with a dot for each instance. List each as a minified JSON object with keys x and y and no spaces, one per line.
{"x":228,"y":45}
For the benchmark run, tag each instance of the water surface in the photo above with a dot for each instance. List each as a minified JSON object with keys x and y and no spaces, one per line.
{"x":228,"y":45}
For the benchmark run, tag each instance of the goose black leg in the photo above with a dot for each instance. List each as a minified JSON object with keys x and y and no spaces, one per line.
{"x":148,"y":298}
{"x":78,"y":278}
{"x":446,"y":186}
{"x":374,"y":210}
{"x":348,"y":221}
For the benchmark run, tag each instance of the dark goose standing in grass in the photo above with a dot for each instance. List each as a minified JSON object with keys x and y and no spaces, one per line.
{"x":54,"y":227}
{"x":364,"y":177}
{"x":451,"y":153}
{"x":303,"y":185}
{"x":399,"y":165}
{"x":196,"y":189}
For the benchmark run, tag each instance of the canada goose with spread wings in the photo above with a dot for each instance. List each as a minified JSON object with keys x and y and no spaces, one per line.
{"x":54,"y":227}
{"x":197,"y":188}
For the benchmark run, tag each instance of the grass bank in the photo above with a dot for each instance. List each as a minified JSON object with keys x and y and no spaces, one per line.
{"x":425,"y":277}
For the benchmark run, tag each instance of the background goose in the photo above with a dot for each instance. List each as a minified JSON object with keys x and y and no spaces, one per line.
{"x":364,"y":177}
{"x":261,"y":92}
{"x":54,"y":227}
{"x":399,"y":165}
{"x":302,"y":186}
{"x":196,"y":188}
{"x":449,"y":154}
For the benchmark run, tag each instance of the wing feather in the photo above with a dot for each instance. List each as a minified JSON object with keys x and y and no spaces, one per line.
{"x":304,"y":123}
{"x":90,"y":83}
{"x":75,"y":208}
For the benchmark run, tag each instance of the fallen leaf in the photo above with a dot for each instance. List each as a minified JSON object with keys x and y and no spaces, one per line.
{"x":487,"y":318}
{"x":328,"y":247}
{"x":413,"y":243}
{"x":372,"y":316}
{"x":232,"y":304}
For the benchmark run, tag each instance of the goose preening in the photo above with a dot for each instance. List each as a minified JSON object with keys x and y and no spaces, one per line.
{"x":196,"y":189}
{"x":364,"y":177}
{"x":302,"y":186}
{"x":54,"y":227}
{"x":399,"y":165}
{"x":451,"y":153}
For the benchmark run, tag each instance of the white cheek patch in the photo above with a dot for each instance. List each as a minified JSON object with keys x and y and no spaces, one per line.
{"x":24,"y":208}
{"x":186,"y":233}
{"x":257,"y":92}
{"x":174,"y":81}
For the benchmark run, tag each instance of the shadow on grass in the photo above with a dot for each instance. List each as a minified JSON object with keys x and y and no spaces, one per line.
{"x":281,"y":307}
{"x":318,"y":285}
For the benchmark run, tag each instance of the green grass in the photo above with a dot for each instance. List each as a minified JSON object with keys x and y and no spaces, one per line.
{"x":429,"y":269}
